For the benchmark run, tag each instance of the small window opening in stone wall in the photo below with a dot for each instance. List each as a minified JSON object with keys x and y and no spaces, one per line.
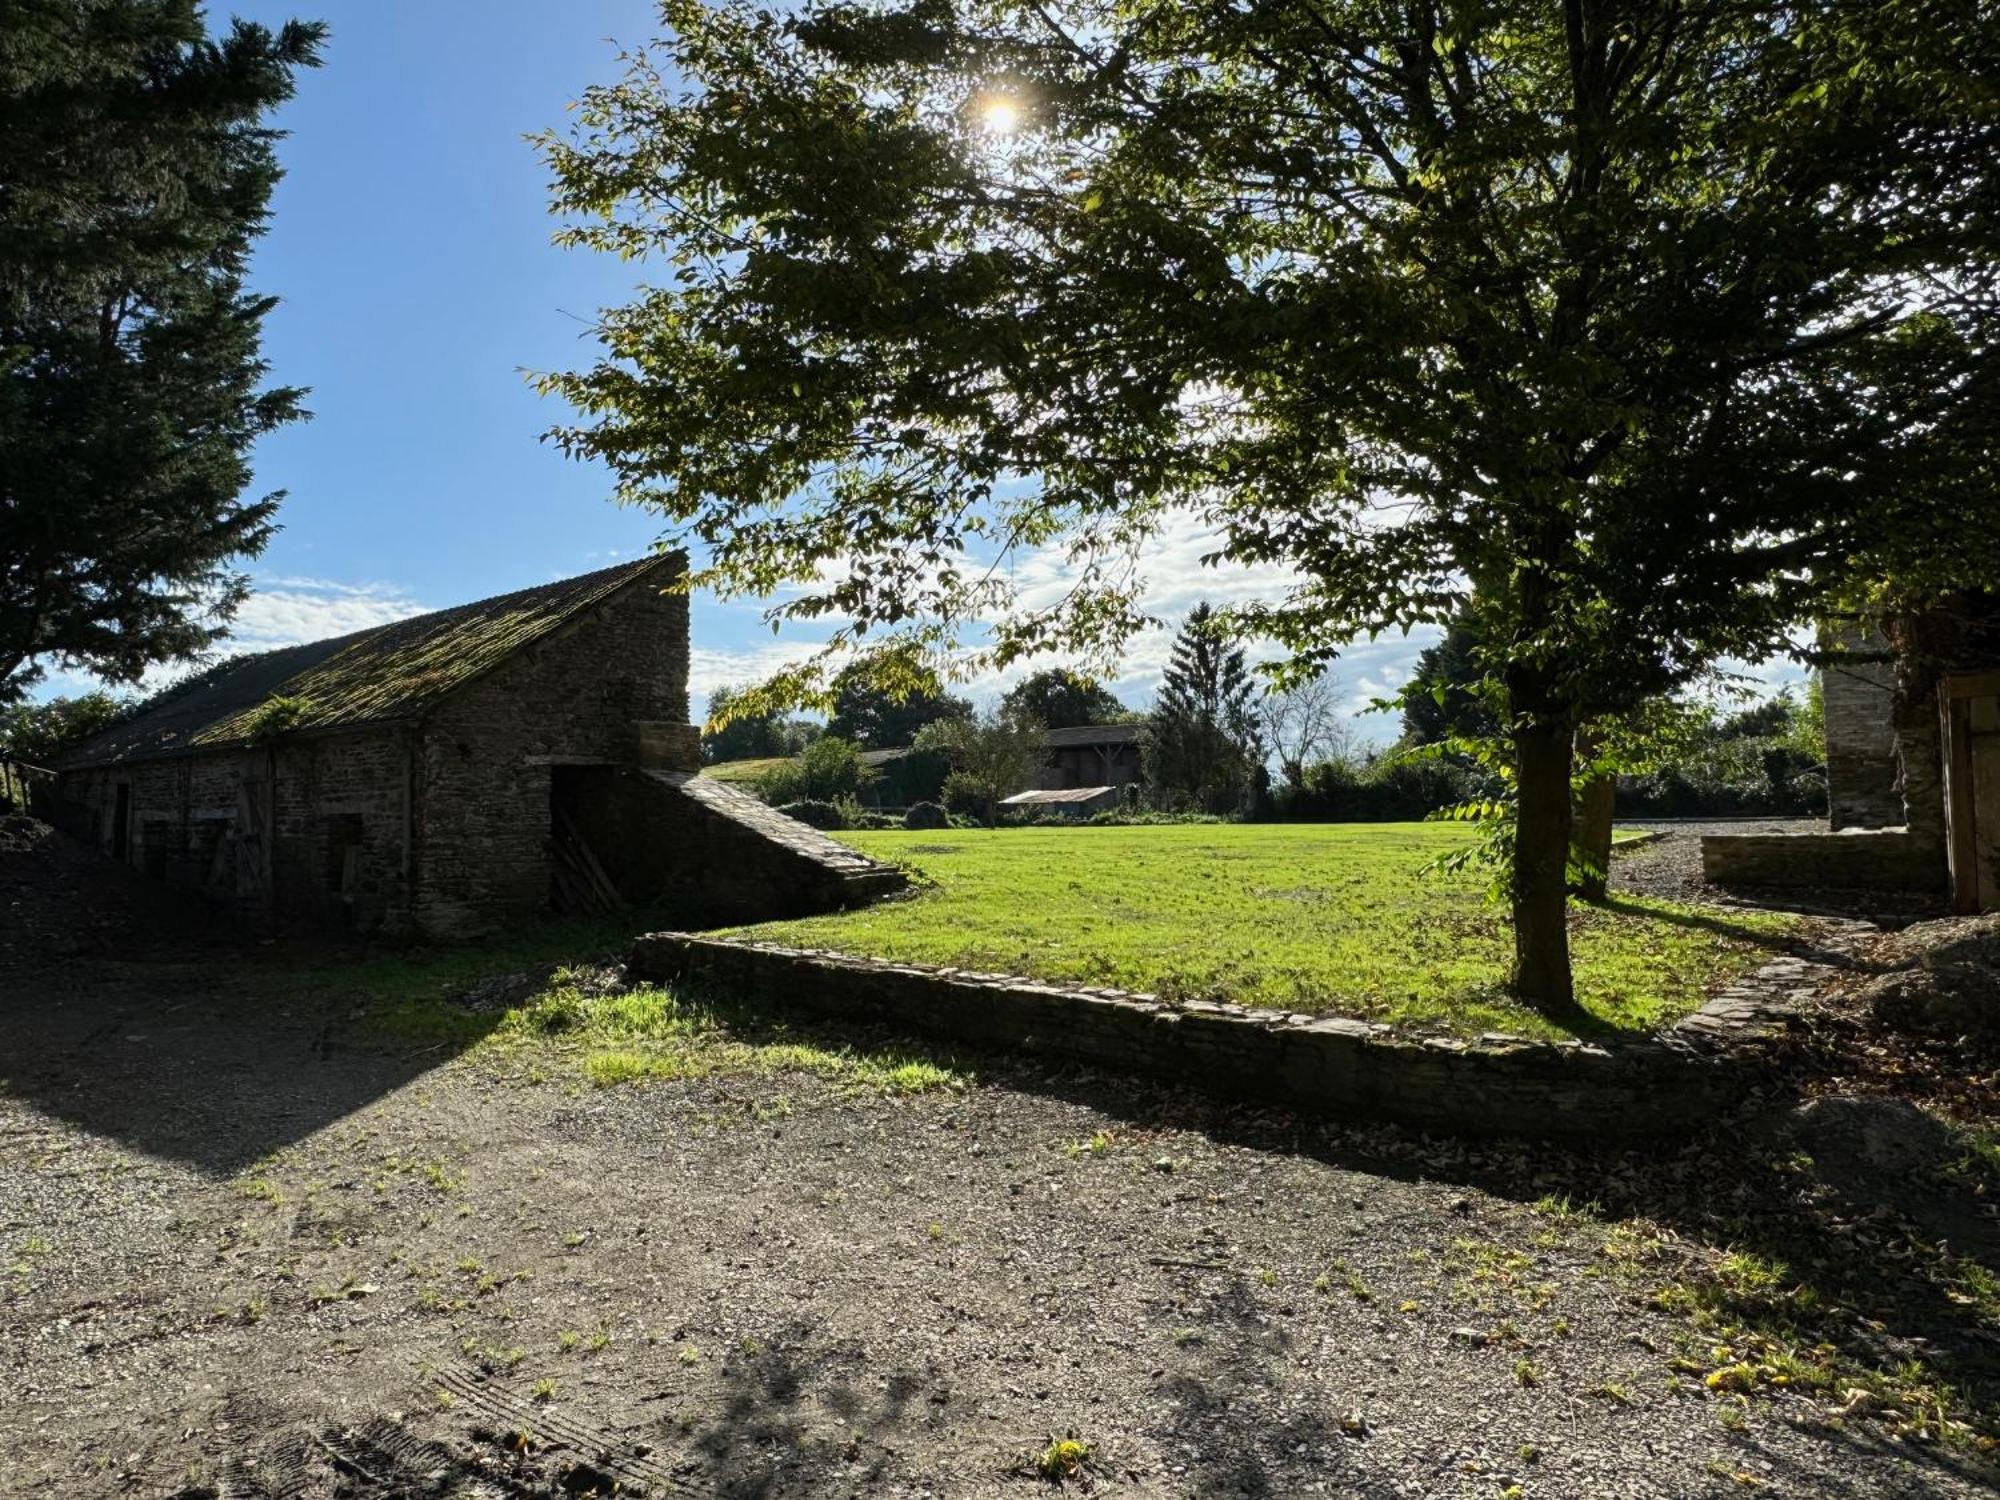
{"x":341,"y":838}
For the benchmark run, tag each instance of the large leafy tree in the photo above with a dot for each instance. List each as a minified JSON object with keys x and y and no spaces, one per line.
{"x":1632,"y":328}
{"x":749,"y":736}
{"x":135,"y":173}
{"x":1202,"y":746}
{"x":884,"y":716}
{"x":1058,"y":698}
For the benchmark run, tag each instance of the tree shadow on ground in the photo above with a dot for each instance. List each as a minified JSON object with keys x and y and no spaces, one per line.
{"x":1712,"y":919}
{"x":130,"y":1009}
{"x":200,"y":1063}
{"x":1220,"y":1427}
{"x":1885,"y":1248}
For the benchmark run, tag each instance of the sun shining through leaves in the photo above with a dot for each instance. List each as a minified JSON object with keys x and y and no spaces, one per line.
{"x":999,"y":114}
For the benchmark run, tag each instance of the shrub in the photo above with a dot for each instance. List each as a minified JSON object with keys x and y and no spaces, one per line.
{"x":926,"y":815}
{"x":814,"y":813}
{"x":1385,"y":791}
{"x":40,"y":733}
{"x":827,"y":770}
{"x":964,"y":797}
{"x":277,"y":715}
{"x":1143,"y":817}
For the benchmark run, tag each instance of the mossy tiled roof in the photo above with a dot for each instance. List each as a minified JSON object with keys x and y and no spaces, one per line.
{"x":384,"y":674}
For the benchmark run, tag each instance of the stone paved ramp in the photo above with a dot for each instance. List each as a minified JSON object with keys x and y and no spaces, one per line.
{"x":868,"y":879}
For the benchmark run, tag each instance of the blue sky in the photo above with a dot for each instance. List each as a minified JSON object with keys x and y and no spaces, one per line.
{"x":409,"y":244}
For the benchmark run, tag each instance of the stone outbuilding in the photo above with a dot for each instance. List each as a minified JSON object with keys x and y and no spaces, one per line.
{"x":454,"y":773}
{"x":1912,"y":767}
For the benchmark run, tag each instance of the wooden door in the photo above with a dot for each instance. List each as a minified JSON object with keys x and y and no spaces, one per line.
{"x":1970,"y":705}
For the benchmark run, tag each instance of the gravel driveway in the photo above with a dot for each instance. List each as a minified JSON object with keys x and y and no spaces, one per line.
{"x":250,"y":1247}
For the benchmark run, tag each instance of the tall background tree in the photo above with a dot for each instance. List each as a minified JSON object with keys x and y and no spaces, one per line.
{"x":135,"y":172}
{"x":884,"y":717}
{"x":1633,"y":328}
{"x":1450,"y":695}
{"x":1303,"y":725}
{"x":1058,"y":698}
{"x":1202,"y":750}
{"x":750,"y":736}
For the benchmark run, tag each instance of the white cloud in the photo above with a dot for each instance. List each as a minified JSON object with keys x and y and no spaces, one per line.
{"x":282,"y":610}
{"x":1176,"y":578}
{"x":289,"y":611}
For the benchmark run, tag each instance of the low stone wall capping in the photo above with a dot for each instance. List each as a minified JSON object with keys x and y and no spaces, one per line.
{"x":1491,"y":1085}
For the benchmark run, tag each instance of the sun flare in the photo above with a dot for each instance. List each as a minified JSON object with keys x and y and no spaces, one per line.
{"x":1000,"y":115}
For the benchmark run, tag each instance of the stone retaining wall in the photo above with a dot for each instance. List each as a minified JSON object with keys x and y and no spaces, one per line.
{"x":1493,"y":1085}
{"x":1883,"y":859}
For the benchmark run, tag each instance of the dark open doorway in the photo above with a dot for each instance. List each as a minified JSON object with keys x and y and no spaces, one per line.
{"x":579,"y":883}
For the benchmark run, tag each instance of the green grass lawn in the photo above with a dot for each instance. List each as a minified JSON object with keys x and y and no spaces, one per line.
{"x":738,"y":772}
{"x":1332,"y":918}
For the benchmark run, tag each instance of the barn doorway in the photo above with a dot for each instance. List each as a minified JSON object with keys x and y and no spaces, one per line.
{"x":578,"y":882}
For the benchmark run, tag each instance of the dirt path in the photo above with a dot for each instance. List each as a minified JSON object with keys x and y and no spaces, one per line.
{"x":249,"y":1246}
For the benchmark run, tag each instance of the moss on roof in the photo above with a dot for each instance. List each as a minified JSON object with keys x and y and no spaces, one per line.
{"x":389,"y":673}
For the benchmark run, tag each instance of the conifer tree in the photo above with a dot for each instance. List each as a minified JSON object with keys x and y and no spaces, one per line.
{"x":1202,"y":748}
{"x":135,"y":173}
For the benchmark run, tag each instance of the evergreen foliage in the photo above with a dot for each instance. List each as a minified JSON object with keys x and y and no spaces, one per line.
{"x":1450,"y":694}
{"x":1202,"y":750}
{"x":135,"y":174}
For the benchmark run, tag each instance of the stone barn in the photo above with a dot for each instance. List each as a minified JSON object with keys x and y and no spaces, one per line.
{"x":454,"y":773}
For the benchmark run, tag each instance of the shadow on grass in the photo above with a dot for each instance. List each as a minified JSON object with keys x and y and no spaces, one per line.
{"x":1713,"y":919}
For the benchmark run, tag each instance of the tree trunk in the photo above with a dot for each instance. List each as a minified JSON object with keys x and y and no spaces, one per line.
{"x":1594,"y":808}
{"x":1540,"y":886}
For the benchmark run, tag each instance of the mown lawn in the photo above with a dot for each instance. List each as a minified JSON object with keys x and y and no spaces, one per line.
{"x":741,"y":772}
{"x":1311,"y":918}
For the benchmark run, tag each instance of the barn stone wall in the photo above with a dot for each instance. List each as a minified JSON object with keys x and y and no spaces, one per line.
{"x":607,"y":688}
{"x":1859,"y":686}
{"x":446,"y":825}
{"x":312,"y":831}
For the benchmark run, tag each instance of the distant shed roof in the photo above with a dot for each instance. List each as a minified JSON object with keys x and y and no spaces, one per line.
{"x":1056,"y":797}
{"x":384,"y":674}
{"x":1093,"y":734}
